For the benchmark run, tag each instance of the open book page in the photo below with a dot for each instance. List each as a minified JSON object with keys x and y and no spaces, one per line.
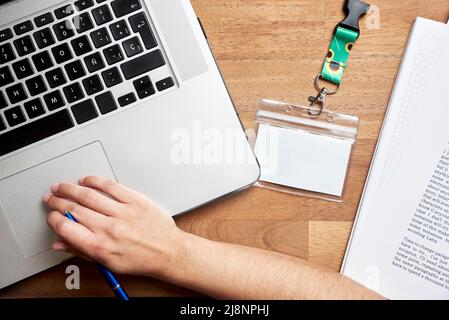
{"x":425,"y":67}
{"x":418,"y":65}
{"x":401,"y":249}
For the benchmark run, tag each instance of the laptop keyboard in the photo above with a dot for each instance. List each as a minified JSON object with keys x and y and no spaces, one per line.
{"x":76,"y":64}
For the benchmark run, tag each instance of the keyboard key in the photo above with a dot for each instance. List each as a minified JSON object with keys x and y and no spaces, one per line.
{"x":143,"y":64}
{"x":100,"y":38}
{"x":119,"y":30}
{"x":73,"y":92}
{"x":65,"y":11}
{"x":16,"y":93}
{"x":44,"y":19}
{"x":5,"y":76}
{"x":84,"y":111}
{"x":111,"y":77}
{"x":93,"y":85}
{"x":139,"y":24}
{"x":2,"y":124}
{"x":23,"y":27}
{"x":6,"y":53}
{"x":102,"y":15}
{"x":83,"y":22}
{"x":75,"y":70}
{"x":24,"y":46}
{"x":3,"y":103}
{"x":34,"y":108}
{"x":106,"y":102}
{"x":55,"y":78}
{"x":36,"y":85}
{"x":124,"y":7}
{"x":127,"y":99}
{"x":35,"y":131}
{"x":113,"y":54}
{"x":5,"y":34}
{"x":14,"y":116}
{"x":94,"y":62}
{"x":81,"y":45}
{"x":83,"y":4}
{"x":23,"y":69}
{"x":42,"y":61}
{"x":165,"y":84}
{"x":132,"y":47}
{"x":62,"y":53}
{"x":144,"y":87}
{"x":44,"y":38}
{"x":54,"y":100}
{"x":63,"y":30}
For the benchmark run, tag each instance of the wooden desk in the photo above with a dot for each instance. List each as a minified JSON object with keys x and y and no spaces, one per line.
{"x":273,"y":48}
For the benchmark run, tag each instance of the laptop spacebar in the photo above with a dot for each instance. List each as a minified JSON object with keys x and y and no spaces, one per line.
{"x":35,"y":131}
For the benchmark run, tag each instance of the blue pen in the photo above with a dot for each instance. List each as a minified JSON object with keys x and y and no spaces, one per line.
{"x":118,"y":290}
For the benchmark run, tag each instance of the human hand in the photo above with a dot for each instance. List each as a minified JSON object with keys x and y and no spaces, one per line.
{"x":117,"y":226}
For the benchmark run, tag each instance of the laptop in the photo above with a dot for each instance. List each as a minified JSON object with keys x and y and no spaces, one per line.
{"x":125,"y":89}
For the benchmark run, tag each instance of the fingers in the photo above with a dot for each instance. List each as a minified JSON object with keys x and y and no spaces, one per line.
{"x":74,"y":234}
{"x":62,"y":246}
{"x":111,"y":188}
{"x":87,"y":197}
{"x":88,"y":218}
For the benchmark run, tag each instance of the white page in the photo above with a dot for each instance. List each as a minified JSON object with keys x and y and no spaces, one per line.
{"x":302,"y":160}
{"x":431,"y":40}
{"x":419,"y":64}
{"x":380,"y":236}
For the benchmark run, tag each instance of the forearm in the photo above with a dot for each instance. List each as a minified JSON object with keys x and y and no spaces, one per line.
{"x":229,"y":271}
{"x":125,"y":231}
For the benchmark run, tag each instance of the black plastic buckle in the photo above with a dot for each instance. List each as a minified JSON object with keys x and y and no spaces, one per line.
{"x":354,"y":9}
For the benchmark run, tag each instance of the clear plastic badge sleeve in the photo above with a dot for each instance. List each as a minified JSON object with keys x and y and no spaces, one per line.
{"x":301,"y":153}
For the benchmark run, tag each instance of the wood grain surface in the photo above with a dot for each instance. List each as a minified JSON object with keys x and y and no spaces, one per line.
{"x":274,"y":49}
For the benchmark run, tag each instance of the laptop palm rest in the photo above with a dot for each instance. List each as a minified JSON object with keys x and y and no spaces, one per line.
{"x":28,"y":219}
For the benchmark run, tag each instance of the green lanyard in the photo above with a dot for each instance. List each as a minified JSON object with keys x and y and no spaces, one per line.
{"x":346,"y":34}
{"x":338,"y":55}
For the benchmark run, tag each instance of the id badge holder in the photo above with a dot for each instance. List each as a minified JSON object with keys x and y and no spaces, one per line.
{"x":304,"y":151}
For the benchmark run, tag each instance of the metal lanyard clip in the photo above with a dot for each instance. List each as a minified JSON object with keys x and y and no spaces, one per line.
{"x":320,"y":99}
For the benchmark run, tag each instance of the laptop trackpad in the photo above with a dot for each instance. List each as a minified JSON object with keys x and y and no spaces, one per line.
{"x":21,"y":194}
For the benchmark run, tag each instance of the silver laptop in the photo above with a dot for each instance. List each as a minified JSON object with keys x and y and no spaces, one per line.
{"x":126,"y":89}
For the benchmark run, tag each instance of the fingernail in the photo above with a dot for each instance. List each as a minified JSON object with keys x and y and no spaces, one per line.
{"x":60,"y":247}
{"x":46,"y":197}
{"x":55,"y":187}
{"x":81,"y":181}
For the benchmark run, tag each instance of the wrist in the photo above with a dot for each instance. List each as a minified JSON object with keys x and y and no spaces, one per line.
{"x":180,"y":258}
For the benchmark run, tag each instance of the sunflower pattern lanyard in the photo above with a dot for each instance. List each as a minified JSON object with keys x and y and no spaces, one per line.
{"x":346,"y":34}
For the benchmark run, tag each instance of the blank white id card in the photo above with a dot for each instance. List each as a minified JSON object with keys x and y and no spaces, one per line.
{"x":303,"y":160}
